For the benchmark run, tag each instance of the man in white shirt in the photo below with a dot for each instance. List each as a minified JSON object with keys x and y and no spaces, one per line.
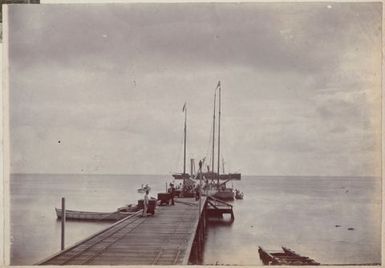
{"x":145,"y":204}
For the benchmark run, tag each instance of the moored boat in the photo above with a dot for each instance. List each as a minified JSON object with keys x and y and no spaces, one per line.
{"x":238,"y":194}
{"x":94,"y":216}
{"x":216,"y":188}
{"x":229,"y":176}
{"x":224,"y":194}
{"x":188,"y":184}
{"x":181,"y":176}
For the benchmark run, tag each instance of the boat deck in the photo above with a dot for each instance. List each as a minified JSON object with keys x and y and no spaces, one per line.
{"x":166,"y":238}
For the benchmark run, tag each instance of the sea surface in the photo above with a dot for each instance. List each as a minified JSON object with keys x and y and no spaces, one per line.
{"x":297,"y":212}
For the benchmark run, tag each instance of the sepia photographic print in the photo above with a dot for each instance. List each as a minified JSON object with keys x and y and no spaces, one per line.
{"x":193,"y":133}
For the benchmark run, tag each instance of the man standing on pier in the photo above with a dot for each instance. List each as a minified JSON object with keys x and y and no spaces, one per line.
{"x":172,"y":189}
{"x":145,"y":204}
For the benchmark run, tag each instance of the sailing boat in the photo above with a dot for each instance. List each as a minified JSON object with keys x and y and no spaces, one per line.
{"x":219,"y":190}
{"x":183,"y":175}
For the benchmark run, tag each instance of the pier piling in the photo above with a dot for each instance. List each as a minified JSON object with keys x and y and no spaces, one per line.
{"x":63,"y":220}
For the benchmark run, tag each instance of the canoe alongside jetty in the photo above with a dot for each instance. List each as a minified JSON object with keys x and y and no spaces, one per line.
{"x":94,"y":216}
{"x":287,"y":257}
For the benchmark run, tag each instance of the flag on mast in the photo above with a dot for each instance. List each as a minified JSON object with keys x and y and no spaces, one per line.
{"x":184,"y":107}
{"x":219,"y":84}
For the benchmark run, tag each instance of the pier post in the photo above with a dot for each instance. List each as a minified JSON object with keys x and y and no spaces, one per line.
{"x":197,"y":252}
{"x":63,"y":219}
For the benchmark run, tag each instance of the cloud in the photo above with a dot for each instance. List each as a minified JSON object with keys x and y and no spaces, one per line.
{"x":300,"y":86}
{"x":217,"y":34}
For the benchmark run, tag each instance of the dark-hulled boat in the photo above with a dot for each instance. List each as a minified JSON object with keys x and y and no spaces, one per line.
{"x":181,"y":176}
{"x":226,"y":194}
{"x":224,"y":177}
{"x":217,"y":188}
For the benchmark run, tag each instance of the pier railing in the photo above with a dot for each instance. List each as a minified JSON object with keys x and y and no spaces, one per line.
{"x":217,"y":207}
{"x":218,"y":203}
{"x":94,"y":236}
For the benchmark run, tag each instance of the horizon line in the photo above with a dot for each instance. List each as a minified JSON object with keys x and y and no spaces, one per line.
{"x":147,"y":174}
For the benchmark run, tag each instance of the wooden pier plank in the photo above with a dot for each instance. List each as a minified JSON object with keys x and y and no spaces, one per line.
{"x":164,"y":238}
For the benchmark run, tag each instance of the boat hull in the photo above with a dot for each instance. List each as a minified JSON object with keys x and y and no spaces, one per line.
{"x":92,"y":216}
{"x":228,"y":176}
{"x":181,"y":176}
{"x":222,"y":193}
{"x":227,"y":194}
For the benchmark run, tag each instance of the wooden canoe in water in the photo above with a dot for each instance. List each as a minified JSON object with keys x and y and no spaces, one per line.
{"x":287,"y":257}
{"x":93,"y":216}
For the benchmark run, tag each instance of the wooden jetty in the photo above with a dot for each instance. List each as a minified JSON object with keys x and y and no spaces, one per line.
{"x":173,"y":235}
{"x":285,"y":257}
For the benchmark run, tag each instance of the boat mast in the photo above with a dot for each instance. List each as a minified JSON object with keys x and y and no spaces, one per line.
{"x":213,"y":156}
{"x":219,"y":126}
{"x":185,"y":134}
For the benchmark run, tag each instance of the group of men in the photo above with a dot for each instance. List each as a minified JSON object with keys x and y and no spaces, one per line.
{"x":146,"y":199}
{"x":172,"y":194}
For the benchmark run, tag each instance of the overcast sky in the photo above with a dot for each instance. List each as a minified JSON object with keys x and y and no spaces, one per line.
{"x":100,"y":88}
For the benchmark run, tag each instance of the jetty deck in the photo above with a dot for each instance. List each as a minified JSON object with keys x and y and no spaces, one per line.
{"x":166,"y":238}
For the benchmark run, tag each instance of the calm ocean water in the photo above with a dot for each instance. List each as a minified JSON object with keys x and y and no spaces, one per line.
{"x":298,"y":212}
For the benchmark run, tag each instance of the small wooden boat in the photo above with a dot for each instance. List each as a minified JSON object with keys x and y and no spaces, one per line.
{"x":93,"y":216}
{"x":287,"y":257}
{"x":238,"y":194}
